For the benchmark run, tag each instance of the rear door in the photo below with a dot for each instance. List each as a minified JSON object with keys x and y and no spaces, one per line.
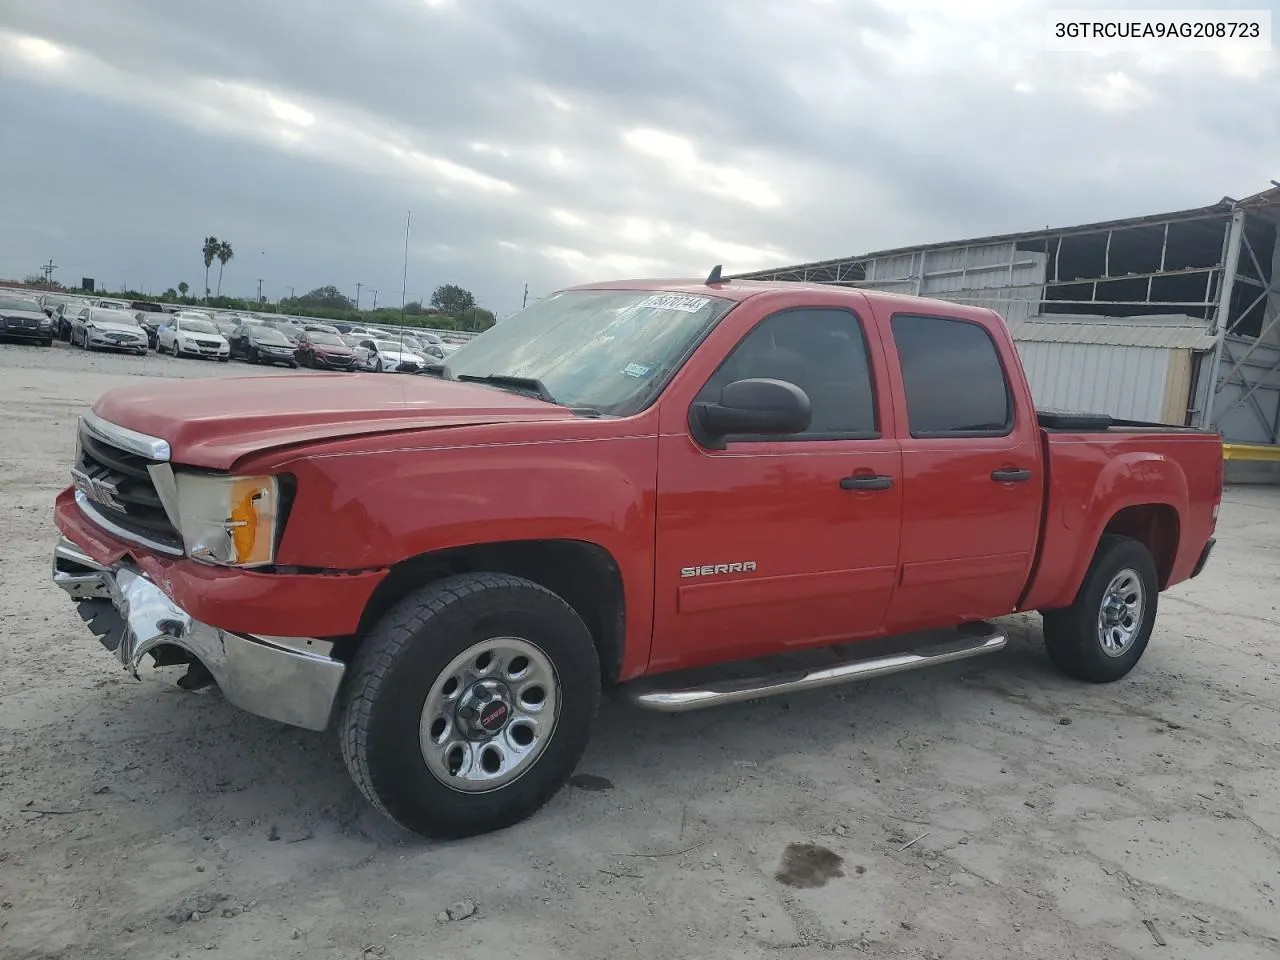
{"x":971,"y":462}
{"x":773,"y":543}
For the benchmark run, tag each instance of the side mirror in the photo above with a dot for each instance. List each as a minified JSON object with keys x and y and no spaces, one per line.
{"x":757,"y":407}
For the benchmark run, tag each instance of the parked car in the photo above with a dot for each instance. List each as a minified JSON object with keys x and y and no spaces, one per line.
{"x":149,"y":316}
{"x":109,"y":303}
{"x":697,"y":493}
{"x":22,"y":318}
{"x":64,"y":316}
{"x":428,"y":351}
{"x":321,"y":328}
{"x":324,"y":350}
{"x":289,"y":330}
{"x":193,"y":336}
{"x":51,"y":302}
{"x":387,"y":356}
{"x":106,"y":328}
{"x":259,"y":343}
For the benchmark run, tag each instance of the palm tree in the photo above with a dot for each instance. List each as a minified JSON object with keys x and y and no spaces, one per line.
{"x":183,"y":288}
{"x":223,"y":253}
{"x":210,"y":251}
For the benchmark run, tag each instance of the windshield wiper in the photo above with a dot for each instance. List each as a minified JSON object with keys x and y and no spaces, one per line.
{"x":525,"y":385}
{"x":520,"y":384}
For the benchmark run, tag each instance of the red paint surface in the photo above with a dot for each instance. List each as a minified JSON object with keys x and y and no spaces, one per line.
{"x":389,"y":468}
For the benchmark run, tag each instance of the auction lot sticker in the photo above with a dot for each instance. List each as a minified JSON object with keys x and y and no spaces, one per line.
{"x":674,"y":301}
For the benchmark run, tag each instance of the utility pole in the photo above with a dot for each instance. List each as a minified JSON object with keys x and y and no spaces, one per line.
{"x":290,"y":289}
{"x":259,"y":289}
{"x":375,"y":299}
{"x":358,"y":286}
{"x":48,"y":269}
{"x":525,"y":302}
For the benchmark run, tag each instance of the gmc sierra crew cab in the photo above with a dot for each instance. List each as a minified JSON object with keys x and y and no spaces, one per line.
{"x":690,"y":493}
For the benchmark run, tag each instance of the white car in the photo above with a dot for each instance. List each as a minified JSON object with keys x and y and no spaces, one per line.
{"x":101,"y":328}
{"x":387,"y":356}
{"x":110,"y":303}
{"x":193,"y":336}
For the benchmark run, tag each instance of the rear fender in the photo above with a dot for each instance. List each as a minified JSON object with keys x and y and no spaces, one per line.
{"x":1133,"y":479}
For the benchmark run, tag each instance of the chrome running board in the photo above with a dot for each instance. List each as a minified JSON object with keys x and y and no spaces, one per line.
{"x":826,"y":667}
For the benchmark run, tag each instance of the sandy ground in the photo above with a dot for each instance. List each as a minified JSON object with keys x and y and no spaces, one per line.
{"x":1050,"y":819}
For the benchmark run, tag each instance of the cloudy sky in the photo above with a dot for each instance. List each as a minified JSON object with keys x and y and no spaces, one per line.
{"x":555,"y":142}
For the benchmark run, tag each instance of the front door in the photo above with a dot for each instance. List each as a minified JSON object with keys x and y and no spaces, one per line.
{"x":773,"y":543}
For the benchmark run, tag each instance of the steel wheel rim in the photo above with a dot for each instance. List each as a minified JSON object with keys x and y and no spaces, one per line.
{"x":1120,"y":613}
{"x":463,"y":741}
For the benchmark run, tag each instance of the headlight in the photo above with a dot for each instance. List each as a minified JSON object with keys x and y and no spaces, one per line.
{"x":230,"y":521}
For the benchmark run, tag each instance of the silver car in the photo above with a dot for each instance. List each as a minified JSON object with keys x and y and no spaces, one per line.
{"x":102,"y":328}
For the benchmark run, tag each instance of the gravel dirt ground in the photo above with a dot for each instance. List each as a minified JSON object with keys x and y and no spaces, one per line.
{"x":980,"y":810}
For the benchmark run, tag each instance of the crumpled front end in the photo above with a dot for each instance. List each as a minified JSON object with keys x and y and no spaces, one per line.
{"x":293,"y":680}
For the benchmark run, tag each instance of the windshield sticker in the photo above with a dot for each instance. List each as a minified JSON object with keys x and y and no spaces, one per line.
{"x":674,"y":301}
{"x":637,"y":370}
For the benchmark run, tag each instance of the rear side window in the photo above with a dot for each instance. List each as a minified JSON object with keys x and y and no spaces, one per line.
{"x":954,"y":380}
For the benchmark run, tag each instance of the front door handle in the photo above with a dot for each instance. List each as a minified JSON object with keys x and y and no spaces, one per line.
{"x":1010,"y":475}
{"x":866,"y":482}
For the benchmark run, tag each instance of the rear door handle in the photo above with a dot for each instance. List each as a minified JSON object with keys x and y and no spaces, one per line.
{"x":866,"y":482}
{"x":1010,"y":475}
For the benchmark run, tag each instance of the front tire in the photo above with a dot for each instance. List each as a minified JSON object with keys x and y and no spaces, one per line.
{"x":1103,"y":634}
{"x":469,"y":704}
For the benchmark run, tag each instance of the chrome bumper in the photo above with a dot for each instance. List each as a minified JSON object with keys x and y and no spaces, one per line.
{"x":289,"y":679}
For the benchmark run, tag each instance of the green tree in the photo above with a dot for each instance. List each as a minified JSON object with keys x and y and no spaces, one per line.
{"x":476,"y":318}
{"x":452,"y":299}
{"x":210,"y":251}
{"x":183,"y":287}
{"x":323,"y":298}
{"x":170,"y":294}
{"x":413,"y":309}
{"x":223,"y":253}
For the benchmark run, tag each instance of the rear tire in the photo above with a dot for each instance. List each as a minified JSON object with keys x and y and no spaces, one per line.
{"x":1103,"y":634}
{"x":416,"y":696}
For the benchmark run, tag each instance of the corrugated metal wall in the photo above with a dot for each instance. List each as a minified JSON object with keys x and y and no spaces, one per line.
{"x":1122,"y":381}
{"x":996,"y":275}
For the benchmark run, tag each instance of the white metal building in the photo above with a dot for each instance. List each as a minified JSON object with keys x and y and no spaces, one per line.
{"x":1172,"y":318}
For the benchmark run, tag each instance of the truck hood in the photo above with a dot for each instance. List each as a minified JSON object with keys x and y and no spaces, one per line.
{"x":213,"y":423}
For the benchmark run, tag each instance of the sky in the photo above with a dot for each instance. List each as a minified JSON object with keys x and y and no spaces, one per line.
{"x":554,"y":143}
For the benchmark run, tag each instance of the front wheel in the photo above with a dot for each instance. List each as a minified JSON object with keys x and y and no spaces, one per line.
{"x":1103,"y":634}
{"x":469,"y":704}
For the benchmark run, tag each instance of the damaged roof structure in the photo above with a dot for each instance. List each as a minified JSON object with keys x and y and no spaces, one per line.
{"x":1172,"y":317}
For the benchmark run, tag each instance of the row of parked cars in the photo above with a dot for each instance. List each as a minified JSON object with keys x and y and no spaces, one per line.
{"x":104,"y":323}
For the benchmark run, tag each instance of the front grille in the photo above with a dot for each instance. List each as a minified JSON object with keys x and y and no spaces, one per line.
{"x":117,"y":490}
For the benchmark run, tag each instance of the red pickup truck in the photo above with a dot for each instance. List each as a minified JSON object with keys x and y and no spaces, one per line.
{"x":693,"y":493}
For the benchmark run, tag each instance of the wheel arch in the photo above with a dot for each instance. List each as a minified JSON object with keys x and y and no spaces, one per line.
{"x":585,"y":575}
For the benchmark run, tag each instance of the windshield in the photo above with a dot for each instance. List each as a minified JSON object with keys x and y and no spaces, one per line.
{"x":610,"y":350}
{"x":13,"y":304}
{"x":325,"y":339}
{"x":267,"y":335}
{"x":196,"y":326}
{"x":389,"y":346}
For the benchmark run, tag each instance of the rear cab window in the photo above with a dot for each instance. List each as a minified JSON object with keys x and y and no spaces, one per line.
{"x":954,"y":380}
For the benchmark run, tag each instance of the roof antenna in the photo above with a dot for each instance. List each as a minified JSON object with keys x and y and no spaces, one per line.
{"x":714,"y":276}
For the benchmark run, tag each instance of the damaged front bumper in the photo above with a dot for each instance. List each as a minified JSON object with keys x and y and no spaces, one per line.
{"x":294,"y":680}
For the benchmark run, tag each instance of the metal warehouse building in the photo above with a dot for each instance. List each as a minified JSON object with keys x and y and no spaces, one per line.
{"x":1173,"y":317}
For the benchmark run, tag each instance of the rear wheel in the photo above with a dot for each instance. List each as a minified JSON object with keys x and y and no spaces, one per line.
{"x":1103,"y":634}
{"x":469,"y":704}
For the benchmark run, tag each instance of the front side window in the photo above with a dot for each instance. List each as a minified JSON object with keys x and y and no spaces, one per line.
{"x":953,"y":377}
{"x":820,"y":350}
{"x":608,"y":350}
